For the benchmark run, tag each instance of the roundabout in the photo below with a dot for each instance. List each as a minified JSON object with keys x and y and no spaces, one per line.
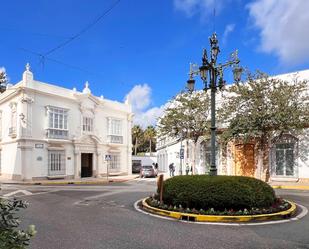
{"x":295,"y":212}
{"x":219,"y":200}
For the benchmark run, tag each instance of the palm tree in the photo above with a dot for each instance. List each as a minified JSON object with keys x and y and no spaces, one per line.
{"x":150,"y":135}
{"x":137,"y":136}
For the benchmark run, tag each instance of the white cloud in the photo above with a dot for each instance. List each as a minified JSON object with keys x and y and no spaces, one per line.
{"x":140,"y":99}
{"x":202,"y":7}
{"x":228,"y":29}
{"x":2,"y":69}
{"x":148,"y":117}
{"x":283,"y":28}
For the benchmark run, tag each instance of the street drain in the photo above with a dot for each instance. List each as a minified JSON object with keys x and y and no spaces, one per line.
{"x":187,"y":218}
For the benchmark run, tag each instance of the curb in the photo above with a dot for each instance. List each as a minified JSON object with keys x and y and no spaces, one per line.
{"x":220,"y":218}
{"x":102,"y":182}
{"x":296,"y":187}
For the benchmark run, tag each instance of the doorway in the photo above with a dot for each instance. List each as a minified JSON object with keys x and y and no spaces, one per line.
{"x":244,"y":160}
{"x":86,"y":164}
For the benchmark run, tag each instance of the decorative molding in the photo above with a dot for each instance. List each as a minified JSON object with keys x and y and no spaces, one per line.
{"x":27,"y":99}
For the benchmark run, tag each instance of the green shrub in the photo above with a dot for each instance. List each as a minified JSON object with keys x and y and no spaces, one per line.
{"x":10,"y":236}
{"x":218,"y":192}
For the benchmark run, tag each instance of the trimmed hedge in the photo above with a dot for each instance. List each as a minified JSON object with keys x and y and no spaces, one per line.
{"x":218,"y":192}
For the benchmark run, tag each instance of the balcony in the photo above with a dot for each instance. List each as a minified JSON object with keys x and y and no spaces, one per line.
{"x":57,"y":134}
{"x":115,"y":139}
{"x":12,"y":132}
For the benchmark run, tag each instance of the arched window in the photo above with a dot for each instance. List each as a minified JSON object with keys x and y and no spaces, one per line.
{"x":284,"y":156}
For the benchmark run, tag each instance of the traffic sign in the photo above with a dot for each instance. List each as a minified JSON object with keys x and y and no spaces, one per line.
{"x":108,"y":157}
{"x":182,"y":153}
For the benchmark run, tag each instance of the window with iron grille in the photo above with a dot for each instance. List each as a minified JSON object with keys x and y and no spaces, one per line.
{"x":57,"y":122}
{"x":87,"y":124}
{"x":115,"y":161}
{"x":56,"y":162}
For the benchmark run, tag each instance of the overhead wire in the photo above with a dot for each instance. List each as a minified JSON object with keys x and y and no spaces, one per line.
{"x":42,"y":59}
{"x":43,"y":56}
{"x":90,"y":25}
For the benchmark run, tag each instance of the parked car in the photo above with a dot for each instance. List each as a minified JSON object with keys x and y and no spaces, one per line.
{"x":136,"y":166}
{"x":147,"y":171}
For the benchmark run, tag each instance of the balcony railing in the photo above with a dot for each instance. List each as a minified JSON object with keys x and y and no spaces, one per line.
{"x":115,"y":139}
{"x":12,"y":132}
{"x":57,"y":134}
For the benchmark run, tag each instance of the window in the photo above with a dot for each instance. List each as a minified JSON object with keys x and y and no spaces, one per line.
{"x":87,"y":124}
{"x":283,"y":157}
{"x":57,"y":122}
{"x":56,"y":163}
{"x":114,"y":131}
{"x":12,"y":129}
{"x":115,"y":162}
{"x":114,"y":127}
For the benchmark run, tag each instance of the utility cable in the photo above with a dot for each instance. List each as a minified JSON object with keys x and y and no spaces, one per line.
{"x":90,"y":25}
{"x":42,"y":59}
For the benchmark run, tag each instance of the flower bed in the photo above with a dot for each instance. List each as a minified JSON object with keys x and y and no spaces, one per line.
{"x":278,"y":206}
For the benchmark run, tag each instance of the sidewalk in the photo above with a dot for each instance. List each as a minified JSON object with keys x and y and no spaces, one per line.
{"x":290,"y":185}
{"x":86,"y":181}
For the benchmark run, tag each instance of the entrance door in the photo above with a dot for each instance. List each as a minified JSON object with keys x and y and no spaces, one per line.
{"x":244,"y":160}
{"x":86,"y":163}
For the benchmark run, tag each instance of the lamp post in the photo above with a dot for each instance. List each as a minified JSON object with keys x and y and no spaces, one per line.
{"x":215,"y":72}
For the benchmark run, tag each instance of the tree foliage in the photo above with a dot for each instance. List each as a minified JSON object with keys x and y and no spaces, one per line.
{"x":3,"y":81}
{"x":137,"y":136}
{"x":263,"y":105}
{"x":150,"y":136}
{"x":143,"y":140}
{"x":10,"y":236}
{"x":187,"y":116}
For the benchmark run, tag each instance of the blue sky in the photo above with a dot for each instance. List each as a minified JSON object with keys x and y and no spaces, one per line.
{"x":144,"y":47}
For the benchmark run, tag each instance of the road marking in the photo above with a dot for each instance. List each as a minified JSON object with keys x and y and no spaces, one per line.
{"x":303,"y":213}
{"x":25,"y":192}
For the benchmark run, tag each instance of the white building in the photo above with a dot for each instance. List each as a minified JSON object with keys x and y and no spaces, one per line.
{"x":288,"y":154}
{"x":50,"y":132}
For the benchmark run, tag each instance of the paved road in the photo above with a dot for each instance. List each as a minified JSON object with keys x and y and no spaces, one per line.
{"x":91,"y":217}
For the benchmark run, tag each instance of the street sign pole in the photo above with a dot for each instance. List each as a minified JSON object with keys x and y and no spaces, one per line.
{"x":107,"y":173}
{"x":107,"y":159}
{"x":181,"y":156}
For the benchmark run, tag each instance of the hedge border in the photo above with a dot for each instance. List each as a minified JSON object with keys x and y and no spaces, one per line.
{"x":220,"y":218}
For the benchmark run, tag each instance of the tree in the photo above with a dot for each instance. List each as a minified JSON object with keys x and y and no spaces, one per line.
{"x":10,"y":236}
{"x":187,"y":117}
{"x":3,"y":81}
{"x":137,"y":137}
{"x":263,"y":106}
{"x":150,"y":136}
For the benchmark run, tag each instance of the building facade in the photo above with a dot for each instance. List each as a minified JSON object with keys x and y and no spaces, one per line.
{"x":50,"y":132}
{"x":285,"y":159}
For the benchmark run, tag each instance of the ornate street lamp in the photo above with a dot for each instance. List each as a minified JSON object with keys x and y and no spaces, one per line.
{"x":214,"y":82}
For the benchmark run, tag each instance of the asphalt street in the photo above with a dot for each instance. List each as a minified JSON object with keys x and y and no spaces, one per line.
{"x":91,"y":217}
